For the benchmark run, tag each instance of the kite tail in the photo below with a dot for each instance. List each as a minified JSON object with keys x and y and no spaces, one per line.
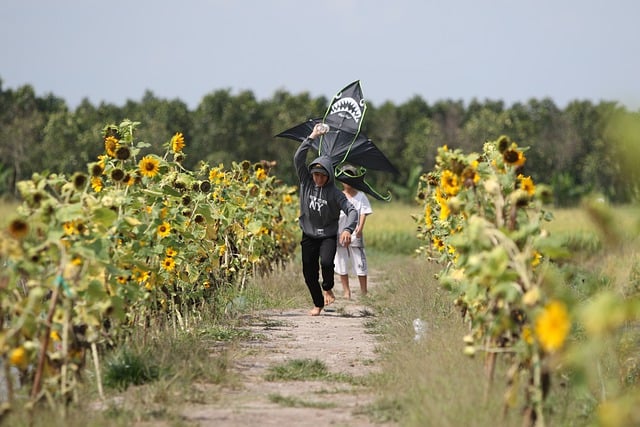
{"x":377,"y":195}
{"x":360,"y":172}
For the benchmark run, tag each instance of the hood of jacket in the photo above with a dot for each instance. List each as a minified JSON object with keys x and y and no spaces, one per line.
{"x":325,"y":162}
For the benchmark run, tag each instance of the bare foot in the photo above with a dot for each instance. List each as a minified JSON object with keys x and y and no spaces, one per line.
{"x":315,"y":311}
{"x":329,"y":297}
{"x":347,"y":295}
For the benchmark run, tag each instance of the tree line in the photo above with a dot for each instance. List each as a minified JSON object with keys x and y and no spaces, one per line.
{"x":582,"y":149}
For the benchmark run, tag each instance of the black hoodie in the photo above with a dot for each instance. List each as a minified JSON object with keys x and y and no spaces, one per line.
{"x":320,"y":206}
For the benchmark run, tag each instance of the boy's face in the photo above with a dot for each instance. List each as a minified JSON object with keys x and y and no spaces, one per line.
{"x":319,"y":179}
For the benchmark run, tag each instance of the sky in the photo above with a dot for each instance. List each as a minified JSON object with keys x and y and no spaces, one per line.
{"x":509,"y":50}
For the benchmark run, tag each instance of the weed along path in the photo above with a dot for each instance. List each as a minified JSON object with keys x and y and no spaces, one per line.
{"x":300,"y":370}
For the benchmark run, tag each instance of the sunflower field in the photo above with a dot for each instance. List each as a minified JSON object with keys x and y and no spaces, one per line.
{"x":484,"y":222}
{"x":135,"y":237}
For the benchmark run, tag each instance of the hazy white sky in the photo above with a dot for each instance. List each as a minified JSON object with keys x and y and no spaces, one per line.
{"x":510,"y":50}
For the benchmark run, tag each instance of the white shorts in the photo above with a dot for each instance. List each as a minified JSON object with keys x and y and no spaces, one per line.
{"x":350,"y":260}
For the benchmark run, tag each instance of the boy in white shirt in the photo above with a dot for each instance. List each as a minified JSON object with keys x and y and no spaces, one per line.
{"x":352,"y":257}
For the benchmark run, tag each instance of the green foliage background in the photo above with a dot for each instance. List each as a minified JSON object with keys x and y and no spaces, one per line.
{"x":577,"y":149}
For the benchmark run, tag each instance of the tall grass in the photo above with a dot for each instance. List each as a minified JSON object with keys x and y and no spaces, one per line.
{"x":427,"y":379}
{"x":391,"y":229}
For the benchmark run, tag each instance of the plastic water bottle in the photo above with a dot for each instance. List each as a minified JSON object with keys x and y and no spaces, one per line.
{"x":420,"y":328}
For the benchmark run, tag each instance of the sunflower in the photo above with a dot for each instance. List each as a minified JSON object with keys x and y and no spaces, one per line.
{"x":536,"y":259}
{"x":177,"y":142}
{"x":123,"y":153}
{"x":444,"y":206}
{"x":286,"y":199}
{"x":111,"y":145}
{"x":164,"y":229}
{"x":96,"y":169}
{"x":526,"y":183}
{"x":18,"y":229}
{"x":168,"y":264}
{"x":149,"y":166}
{"x":552,"y":326}
{"x":18,"y":357}
{"x":96,"y":184}
{"x":171,"y":252}
{"x":79,"y":180}
{"x":141,"y":276}
{"x":503,"y":143}
{"x":117,"y":174}
{"x":261,"y":174}
{"x":217,"y":174}
{"x":69,"y":228}
{"x":513,"y":156}
{"x":527,"y":335}
{"x":428,"y":220}
{"x":129,"y":180}
{"x":450,"y":183}
{"x":438,"y":244}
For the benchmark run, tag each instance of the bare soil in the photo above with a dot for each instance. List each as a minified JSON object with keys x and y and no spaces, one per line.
{"x":338,"y":338}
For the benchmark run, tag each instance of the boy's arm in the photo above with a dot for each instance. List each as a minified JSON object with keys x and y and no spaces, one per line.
{"x":360,"y":227}
{"x":300,"y":157}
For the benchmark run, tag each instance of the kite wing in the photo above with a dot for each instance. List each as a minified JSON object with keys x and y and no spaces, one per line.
{"x":345,"y":148}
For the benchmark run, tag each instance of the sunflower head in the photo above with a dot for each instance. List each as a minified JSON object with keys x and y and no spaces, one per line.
{"x":164,"y":229}
{"x":177,"y":142}
{"x":96,"y":169}
{"x":178,"y":157}
{"x":18,"y":229}
{"x":123,"y":152}
{"x":169,"y":264}
{"x":117,"y":174}
{"x":503,"y":143}
{"x":513,"y":156}
{"x":96,"y":184}
{"x":111,"y":145}
{"x":79,"y":180}
{"x":149,"y":166}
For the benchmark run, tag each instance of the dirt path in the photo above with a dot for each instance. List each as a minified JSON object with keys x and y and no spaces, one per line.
{"x":337,"y":337}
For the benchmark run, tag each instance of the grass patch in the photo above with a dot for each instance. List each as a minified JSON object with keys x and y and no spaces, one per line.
{"x":127,"y":368}
{"x":224,"y":333}
{"x":294,"y":402}
{"x":299,"y":370}
{"x":309,"y":370}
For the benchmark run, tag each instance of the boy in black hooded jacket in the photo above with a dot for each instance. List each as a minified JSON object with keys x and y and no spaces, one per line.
{"x":320,"y":205}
